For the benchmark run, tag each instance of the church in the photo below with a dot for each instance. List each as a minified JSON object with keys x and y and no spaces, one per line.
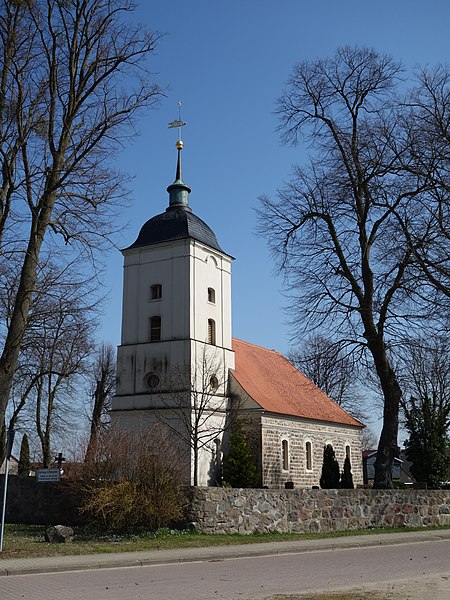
{"x":178,"y":366}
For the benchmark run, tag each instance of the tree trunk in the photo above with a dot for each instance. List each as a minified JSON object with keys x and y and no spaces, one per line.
{"x":195,"y":465}
{"x":388,"y":444}
{"x":99,"y":402}
{"x":16,"y":330}
{"x":27,"y":284}
{"x":2,"y":443}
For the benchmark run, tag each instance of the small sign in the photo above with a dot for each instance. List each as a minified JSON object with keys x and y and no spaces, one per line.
{"x":47,"y":475}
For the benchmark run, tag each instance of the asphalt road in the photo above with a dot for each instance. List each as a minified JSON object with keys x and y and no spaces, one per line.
{"x":421,"y":566}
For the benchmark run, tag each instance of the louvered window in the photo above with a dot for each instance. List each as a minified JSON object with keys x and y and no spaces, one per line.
{"x":211,"y":331}
{"x":155,"y":329}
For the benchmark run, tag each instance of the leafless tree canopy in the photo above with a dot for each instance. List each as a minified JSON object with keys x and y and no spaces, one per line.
{"x":425,"y":376}
{"x":334,"y":371}
{"x":349,"y":228}
{"x":73,"y":78}
{"x":55,"y":352}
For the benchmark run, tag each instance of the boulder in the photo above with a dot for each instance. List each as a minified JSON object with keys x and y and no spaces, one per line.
{"x":58,"y":534}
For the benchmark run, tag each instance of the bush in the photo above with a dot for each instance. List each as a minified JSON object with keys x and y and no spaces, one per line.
{"x":330,"y":469}
{"x":346,"y":482}
{"x":132,"y":481}
{"x":399,"y":485}
{"x":239,"y":465}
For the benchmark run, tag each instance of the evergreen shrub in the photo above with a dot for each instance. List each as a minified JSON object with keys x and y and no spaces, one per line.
{"x":239,"y":465}
{"x":330,"y":469}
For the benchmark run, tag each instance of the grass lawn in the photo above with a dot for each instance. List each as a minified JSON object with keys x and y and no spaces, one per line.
{"x":26,"y":541}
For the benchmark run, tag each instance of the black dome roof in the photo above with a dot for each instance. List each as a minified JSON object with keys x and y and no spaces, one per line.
{"x":175,"y":224}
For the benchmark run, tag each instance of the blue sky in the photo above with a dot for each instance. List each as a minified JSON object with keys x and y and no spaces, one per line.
{"x":227,"y":62}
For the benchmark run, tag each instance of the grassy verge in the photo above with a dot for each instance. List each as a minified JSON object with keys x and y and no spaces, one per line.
{"x":27,"y":541}
{"x":335,"y":596}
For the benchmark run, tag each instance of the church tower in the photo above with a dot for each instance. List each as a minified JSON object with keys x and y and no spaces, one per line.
{"x":176,"y":347}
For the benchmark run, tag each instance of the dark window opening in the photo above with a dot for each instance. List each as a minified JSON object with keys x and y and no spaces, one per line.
{"x":285,"y":454}
{"x":308,"y":456}
{"x":156,"y":291}
{"x":155,"y":329}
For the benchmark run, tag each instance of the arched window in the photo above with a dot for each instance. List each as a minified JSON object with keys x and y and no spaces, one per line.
{"x":285,"y":455}
{"x":155,"y":329}
{"x":348,"y":452}
{"x":156,"y":291}
{"x":308,"y":450}
{"x":212,"y":295}
{"x":211,"y":331}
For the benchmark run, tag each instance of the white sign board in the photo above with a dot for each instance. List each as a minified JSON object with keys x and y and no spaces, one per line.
{"x":46,"y":475}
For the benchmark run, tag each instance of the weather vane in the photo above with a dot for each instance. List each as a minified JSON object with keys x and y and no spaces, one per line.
{"x":178,"y":123}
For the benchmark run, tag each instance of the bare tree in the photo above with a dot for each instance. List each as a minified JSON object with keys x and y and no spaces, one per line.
{"x":368,"y":439}
{"x":72,"y":80}
{"x":426,"y":117}
{"x":335,"y":228}
{"x":55,"y":347}
{"x":194,"y":405}
{"x":103,"y":384}
{"x":333,"y":370}
{"x":51,"y":367}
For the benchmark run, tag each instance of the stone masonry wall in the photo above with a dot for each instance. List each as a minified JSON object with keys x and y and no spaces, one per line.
{"x":222,"y":510}
{"x":297,"y":433}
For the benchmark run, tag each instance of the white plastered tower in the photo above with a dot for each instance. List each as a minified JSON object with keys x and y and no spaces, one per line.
{"x":176,"y":327}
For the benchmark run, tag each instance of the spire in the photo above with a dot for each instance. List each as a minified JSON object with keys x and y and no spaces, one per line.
{"x":178,"y":190}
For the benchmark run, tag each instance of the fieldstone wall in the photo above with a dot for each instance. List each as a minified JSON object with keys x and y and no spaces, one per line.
{"x":223,"y":510}
{"x":30,"y":502}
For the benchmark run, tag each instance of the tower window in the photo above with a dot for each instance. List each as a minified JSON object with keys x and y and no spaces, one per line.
{"x":211,"y":331}
{"x":212,"y":295}
{"x":285,"y":455}
{"x":156,"y":291}
{"x":308,"y":449}
{"x":347,"y":452}
{"x":155,"y":329}
{"x":214,"y":383}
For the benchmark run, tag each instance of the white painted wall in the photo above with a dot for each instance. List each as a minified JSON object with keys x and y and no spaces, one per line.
{"x":185,"y":269}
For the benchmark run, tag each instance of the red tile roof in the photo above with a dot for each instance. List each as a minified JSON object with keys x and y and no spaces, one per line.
{"x":278,"y":387}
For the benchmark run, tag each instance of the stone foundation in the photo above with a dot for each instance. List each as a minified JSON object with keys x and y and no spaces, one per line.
{"x":246,"y":511}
